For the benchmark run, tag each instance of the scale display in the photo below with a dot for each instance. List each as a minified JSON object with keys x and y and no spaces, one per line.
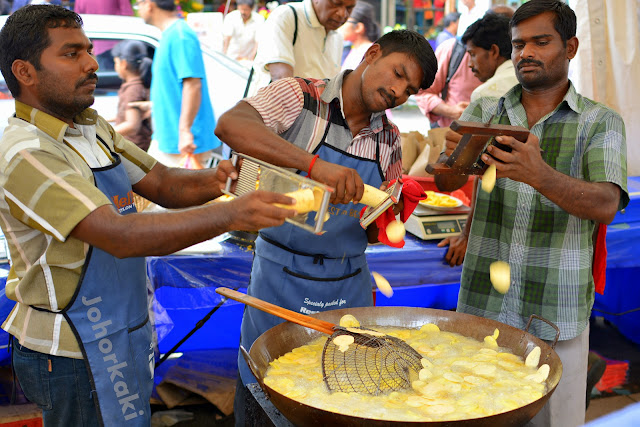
{"x":436,"y":227}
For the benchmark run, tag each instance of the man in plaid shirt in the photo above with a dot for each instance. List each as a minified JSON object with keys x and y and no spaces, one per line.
{"x":554,"y":189}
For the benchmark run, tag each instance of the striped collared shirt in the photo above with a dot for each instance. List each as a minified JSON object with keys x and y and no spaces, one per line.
{"x":47,"y":189}
{"x":549,"y":250}
{"x":301,"y":109}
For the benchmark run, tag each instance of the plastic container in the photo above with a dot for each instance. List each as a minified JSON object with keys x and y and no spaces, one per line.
{"x":619,"y":297}
{"x":440,"y":296}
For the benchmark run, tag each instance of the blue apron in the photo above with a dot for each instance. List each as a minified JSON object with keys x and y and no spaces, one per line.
{"x":307,"y":273}
{"x":109,"y":317}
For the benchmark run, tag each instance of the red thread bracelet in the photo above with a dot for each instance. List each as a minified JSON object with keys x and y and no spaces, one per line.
{"x":313,"y":162}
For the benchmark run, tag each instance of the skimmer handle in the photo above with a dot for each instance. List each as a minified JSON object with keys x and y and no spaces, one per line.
{"x":267,"y":307}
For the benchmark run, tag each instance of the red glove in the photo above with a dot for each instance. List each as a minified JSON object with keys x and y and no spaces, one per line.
{"x":412,"y":193}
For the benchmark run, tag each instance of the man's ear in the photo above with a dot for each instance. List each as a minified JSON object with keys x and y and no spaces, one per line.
{"x":572,"y":47}
{"x":494,"y":51}
{"x":373,"y":53}
{"x":24,"y":71}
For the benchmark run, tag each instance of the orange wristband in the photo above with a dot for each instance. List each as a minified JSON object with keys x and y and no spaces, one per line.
{"x":313,"y":162}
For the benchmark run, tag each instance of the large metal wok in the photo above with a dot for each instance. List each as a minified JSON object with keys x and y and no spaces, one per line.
{"x":287,"y":336}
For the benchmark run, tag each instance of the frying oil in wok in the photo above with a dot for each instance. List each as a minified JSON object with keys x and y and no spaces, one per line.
{"x":463,"y":378}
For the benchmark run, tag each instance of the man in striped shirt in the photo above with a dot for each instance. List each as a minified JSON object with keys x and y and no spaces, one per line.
{"x":551,"y":193}
{"x":80,"y":326}
{"x":336,"y":131}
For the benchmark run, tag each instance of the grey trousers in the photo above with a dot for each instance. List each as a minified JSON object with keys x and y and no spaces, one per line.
{"x":567,"y":406}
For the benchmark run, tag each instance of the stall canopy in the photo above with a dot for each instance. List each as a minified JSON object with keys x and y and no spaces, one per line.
{"x":607,"y":67}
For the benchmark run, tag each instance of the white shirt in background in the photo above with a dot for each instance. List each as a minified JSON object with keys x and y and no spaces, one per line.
{"x":243,"y":34}
{"x":317,"y":53}
{"x":503,"y":80}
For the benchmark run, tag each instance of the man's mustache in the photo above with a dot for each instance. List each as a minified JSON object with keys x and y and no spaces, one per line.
{"x":92,"y":76}
{"x":530,"y":61}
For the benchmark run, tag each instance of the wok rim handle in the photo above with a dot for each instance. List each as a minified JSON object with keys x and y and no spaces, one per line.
{"x":548,"y":322}
{"x":254,"y":369}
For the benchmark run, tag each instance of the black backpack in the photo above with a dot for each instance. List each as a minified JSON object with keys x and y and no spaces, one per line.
{"x":454,"y":63}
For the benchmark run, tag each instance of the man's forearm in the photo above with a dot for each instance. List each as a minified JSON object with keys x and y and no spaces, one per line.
{"x":242,"y":126}
{"x":191,"y":99}
{"x":597,"y":201}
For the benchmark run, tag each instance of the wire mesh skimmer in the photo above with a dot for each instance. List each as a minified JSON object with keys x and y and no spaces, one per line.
{"x":375,"y":363}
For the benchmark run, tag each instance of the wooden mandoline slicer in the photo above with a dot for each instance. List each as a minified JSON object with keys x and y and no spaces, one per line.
{"x":258,"y":175}
{"x":465,"y":159}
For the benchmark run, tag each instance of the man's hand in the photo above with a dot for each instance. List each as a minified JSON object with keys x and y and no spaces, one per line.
{"x":185,"y":143}
{"x":457,"y":249}
{"x":452,"y":112}
{"x":347,"y":183}
{"x":451,"y":140}
{"x":257,"y":210}
{"x":524,"y":163}
{"x":224,"y":170}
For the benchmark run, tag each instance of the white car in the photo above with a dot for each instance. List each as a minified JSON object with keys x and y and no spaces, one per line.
{"x":226,"y":78}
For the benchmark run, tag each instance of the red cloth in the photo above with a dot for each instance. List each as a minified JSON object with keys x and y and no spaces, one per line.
{"x":412,"y":193}
{"x":600,"y":259}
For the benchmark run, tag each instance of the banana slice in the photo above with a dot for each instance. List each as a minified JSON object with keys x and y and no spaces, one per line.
{"x":533,"y":358}
{"x":500,"y":276}
{"x":382,"y":284}
{"x":543,"y":371}
{"x":349,"y":321}
{"x":489,"y":179}
{"x":424,"y":374}
{"x":343,"y":342}
{"x":396,"y":231}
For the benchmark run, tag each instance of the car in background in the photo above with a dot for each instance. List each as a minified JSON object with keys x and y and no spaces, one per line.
{"x":226,"y":78}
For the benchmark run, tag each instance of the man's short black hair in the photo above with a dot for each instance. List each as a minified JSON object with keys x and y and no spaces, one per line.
{"x":417,"y":47}
{"x":169,"y":5}
{"x":489,"y":30}
{"x":25,"y":36}
{"x":564,"y":22}
{"x":249,"y":3}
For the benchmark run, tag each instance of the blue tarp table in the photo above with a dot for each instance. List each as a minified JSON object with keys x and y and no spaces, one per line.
{"x":185,"y":287}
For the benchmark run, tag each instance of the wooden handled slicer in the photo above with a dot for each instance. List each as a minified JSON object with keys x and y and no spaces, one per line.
{"x":258,"y":175}
{"x":465,"y":159}
{"x":312,"y":196}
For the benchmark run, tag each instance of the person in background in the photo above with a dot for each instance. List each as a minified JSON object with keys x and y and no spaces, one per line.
{"x":445,"y":101}
{"x":488,"y":43}
{"x":360,"y":30}
{"x":133,"y":66}
{"x":239,"y":32}
{"x":472,"y":11}
{"x":336,"y":132}
{"x":103,"y":7}
{"x":17,"y":4}
{"x":81,"y":336}
{"x":102,"y":48}
{"x":300,"y":39}
{"x":551,"y":193}
{"x":182,"y":115}
{"x":449,"y":28}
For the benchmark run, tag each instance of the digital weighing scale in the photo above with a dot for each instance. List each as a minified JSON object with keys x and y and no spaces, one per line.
{"x":428,"y":224}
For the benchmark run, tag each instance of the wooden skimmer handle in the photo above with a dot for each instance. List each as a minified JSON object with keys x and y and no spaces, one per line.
{"x":267,"y":307}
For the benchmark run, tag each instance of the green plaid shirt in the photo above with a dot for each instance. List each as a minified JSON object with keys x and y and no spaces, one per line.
{"x":550,"y":251}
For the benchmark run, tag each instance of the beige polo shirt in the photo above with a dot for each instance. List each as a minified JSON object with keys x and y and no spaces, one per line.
{"x":47,"y":188}
{"x":316,"y":54}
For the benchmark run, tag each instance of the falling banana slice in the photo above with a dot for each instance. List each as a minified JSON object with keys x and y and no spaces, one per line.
{"x":396,"y":231}
{"x":382,"y":284}
{"x":489,"y":179}
{"x":500,"y":276}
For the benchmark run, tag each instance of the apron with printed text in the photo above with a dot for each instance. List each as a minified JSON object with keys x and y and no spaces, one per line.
{"x":306,"y":273}
{"x":110,"y":319}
